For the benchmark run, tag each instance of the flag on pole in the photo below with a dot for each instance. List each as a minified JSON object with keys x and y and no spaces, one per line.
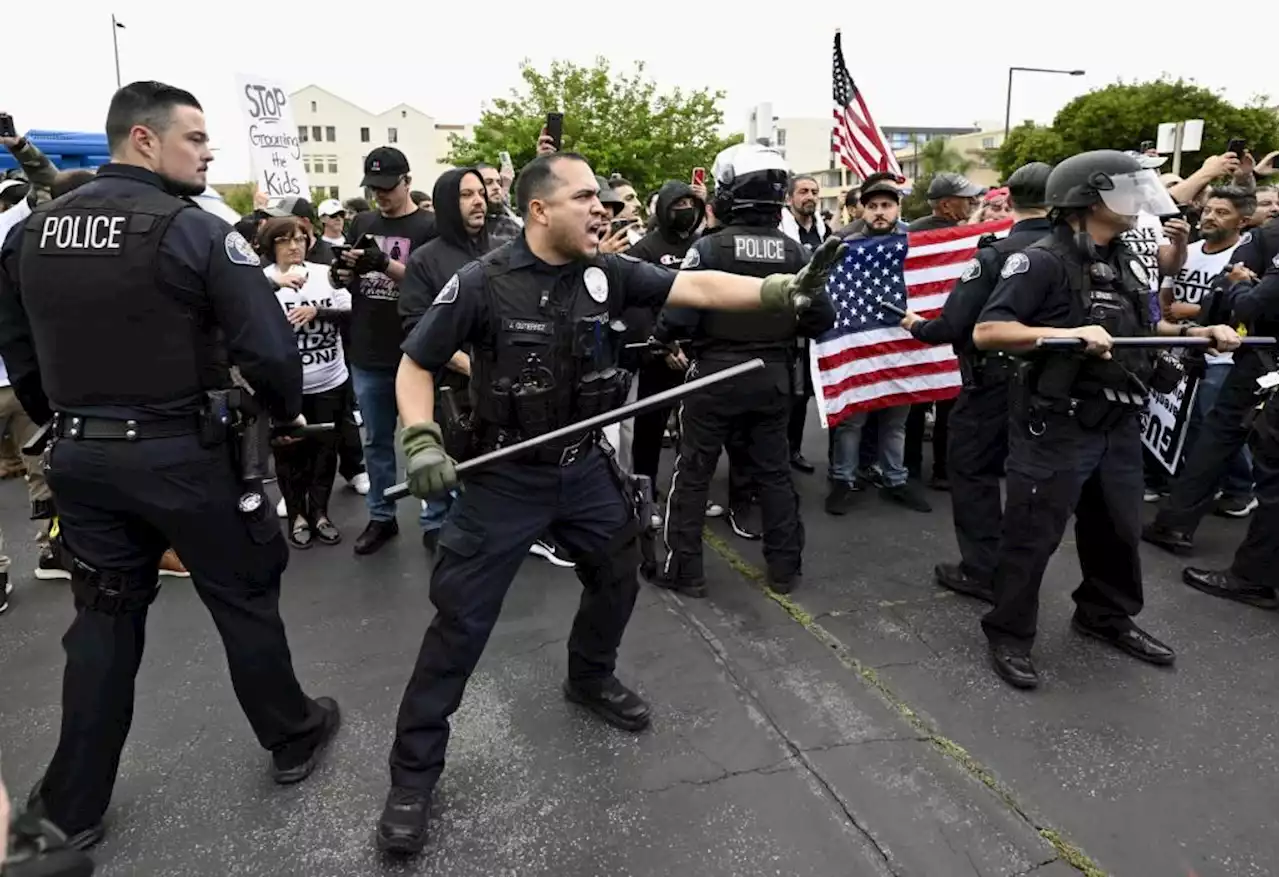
{"x":867,"y":361}
{"x":855,"y":137}
{"x":119,"y":24}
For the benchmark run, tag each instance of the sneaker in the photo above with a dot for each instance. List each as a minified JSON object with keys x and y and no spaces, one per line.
{"x":171,"y":566}
{"x":549,"y":552}
{"x":375,"y":535}
{"x":360,"y":483}
{"x":281,"y":511}
{"x":714,"y":509}
{"x":1150,"y":494}
{"x":907,"y":495}
{"x":868,"y":475}
{"x":1236,"y":506}
{"x":6,"y":588}
{"x":50,"y":566}
{"x":357,"y":417}
{"x":745,"y":522}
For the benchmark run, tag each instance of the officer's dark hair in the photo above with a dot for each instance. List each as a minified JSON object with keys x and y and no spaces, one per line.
{"x":274,"y":229}
{"x":144,"y":103}
{"x":791,"y":184}
{"x":537,"y":178}
{"x":69,"y":181}
{"x":1244,"y":202}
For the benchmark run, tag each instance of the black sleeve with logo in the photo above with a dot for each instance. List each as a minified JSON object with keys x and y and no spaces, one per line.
{"x":376,"y":328}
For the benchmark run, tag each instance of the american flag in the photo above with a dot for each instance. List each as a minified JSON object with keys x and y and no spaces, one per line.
{"x":867,"y":360}
{"x":855,"y":136}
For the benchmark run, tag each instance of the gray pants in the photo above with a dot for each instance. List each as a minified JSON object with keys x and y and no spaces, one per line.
{"x":13,"y":419}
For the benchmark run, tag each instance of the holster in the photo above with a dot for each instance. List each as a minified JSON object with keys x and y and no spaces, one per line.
{"x":457,"y":428}
{"x":637,"y":490}
{"x":601,"y":391}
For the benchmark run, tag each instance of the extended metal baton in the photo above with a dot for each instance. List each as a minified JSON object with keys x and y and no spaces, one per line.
{"x":1155,"y":341}
{"x":608,"y":418}
{"x":308,"y":431}
{"x":891,"y":308}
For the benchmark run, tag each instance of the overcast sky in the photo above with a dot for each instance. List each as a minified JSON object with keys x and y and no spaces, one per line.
{"x":930,"y":62}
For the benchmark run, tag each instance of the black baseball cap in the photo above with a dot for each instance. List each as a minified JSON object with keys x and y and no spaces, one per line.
{"x":384,"y":167}
{"x":880,"y":184}
{"x":950,"y":185}
{"x":298,"y":206}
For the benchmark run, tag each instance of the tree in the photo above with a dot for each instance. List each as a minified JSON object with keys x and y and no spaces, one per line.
{"x":1029,"y":142}
{"x":239,"y":197}
{"x":933,"y":157}
{"x":618,"y":121}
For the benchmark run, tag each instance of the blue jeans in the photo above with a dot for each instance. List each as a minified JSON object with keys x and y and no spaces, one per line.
{"x":376,"y":393}
{"x":891,"y":434}
{"x":1238,"y":480}
{"x":434,"y":511}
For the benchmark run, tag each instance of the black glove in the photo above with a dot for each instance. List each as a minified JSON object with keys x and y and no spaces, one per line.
{"x":372,"y":259}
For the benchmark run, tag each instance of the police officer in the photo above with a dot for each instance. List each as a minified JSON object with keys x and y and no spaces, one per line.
{"x":121,"y":301}
{"x":541,"y":318}
{"x":751,"y":190}
{"x":1074,"y":443}
{"x":979,"y":425}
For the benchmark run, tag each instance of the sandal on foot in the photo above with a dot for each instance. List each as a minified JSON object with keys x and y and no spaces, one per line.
{"x":326,"y":532}
{"x":300,"y":536}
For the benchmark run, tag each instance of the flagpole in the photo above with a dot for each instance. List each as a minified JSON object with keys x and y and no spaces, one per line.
{"x":115,"y":44}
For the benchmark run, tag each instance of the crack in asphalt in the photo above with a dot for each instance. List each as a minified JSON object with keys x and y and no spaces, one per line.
{"x":777,"y":767}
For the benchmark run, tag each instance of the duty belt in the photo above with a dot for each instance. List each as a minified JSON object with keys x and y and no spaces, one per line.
{"x":555,"y":455}
{"x":72,"y":426}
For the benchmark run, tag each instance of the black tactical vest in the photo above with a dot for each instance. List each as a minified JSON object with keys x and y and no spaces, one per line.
{"x":106,"y":329}
{"x":550,"y":357}
{"x":754,"y":251}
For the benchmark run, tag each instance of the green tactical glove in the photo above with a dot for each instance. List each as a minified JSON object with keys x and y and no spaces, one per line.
{"x":793,"y":292}
{"x":429,"y":469}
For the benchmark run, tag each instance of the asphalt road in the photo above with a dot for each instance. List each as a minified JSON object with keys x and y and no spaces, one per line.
{"x":855,"y":729}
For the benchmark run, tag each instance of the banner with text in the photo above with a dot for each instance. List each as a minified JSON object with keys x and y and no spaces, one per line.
{"x":275,"y":151}
{"x":1164,"y":422}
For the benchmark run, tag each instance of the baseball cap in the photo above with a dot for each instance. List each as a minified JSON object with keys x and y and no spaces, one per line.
{"x":949,"y":185}
{"x":297,"y":206}
{"x":1147,"y":161}
{"x":330,"y":207}
{"x":608,"y":197}
{"x":383,"y":168}
{"x":879,"y":187}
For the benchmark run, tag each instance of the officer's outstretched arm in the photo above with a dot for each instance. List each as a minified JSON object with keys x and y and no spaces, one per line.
{"x":415,"y":392}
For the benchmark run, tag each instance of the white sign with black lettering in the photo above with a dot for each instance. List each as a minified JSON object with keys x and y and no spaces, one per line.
{"x":1164,"y":422}
{"x":275,"y":150}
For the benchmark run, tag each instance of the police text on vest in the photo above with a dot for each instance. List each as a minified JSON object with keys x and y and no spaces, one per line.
{"x":81,"y":232}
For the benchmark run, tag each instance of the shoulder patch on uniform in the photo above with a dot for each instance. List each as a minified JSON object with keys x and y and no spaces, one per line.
{"x":972,"y":271}
{"x":1245,"y":238}
{"x":1018,"y":263}
{"x":597,"y":284}
{"x":449,"y":293}
{"x":1139,"y":272}
{"x":691,"y":259}
{"x":239,"y":251}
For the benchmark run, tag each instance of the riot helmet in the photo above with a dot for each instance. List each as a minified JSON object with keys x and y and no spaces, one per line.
{"x":1111,"y":178}
{"x":750,"y":177}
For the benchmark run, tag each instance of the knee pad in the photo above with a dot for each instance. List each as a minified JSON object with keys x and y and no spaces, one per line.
{"x":112,"y":592}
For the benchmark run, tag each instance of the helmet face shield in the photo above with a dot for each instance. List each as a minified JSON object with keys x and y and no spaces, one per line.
{"x":1134,"y":193}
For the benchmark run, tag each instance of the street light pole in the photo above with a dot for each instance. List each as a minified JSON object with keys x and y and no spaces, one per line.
{"x":1008,"y":93}
{"x":115,"y":44}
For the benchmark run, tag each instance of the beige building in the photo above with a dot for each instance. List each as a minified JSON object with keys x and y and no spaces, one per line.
{"x":336,"y":136}
{"x":976,"y":146}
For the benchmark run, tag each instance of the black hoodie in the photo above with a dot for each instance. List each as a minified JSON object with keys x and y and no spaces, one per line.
{"x":664,"y":245}
{"x":431,"y":265}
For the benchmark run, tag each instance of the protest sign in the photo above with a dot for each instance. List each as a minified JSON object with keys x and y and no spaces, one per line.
{"x":275,"y":150}
{"x":1164,"y":422}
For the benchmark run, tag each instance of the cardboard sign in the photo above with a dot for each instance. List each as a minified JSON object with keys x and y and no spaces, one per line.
{"x":1164,"y":422}
{"x":275,"y":151}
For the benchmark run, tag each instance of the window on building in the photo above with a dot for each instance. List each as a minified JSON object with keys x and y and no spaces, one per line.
{"x":364,"y":135}
{"x":988,"y":143}
{"x":306,"y":165}
{"x":404,"y":114}
{"x":313,"y":106}
{"x":302,"y":133}
{"x":333,"y":191}
{"x":782,"y":136}
{"x":330,"y":133}
{"x":333,"y":164}
{"x":315,"y":133}
{"x":393,"y":136}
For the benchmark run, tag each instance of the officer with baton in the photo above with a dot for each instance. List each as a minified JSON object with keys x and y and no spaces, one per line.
{"x":542,"y":318}
{"x":1074,"y":440}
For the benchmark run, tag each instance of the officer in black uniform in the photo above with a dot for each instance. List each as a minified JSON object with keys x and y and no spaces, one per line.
{"x":1074,"y":442}
{"x":751,"y":188}
{"x":541,"y":316}
{"x":121,"y":301}
{"x":979,"y":426}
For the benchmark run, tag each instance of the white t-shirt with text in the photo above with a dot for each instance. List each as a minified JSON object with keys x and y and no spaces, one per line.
{"x":1196,"y":277}
{"x":324,"y":365}
{"x":1145,"y":240}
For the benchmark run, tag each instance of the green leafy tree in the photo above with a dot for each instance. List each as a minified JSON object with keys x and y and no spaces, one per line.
{"x":934,"y":157}
{"x":1029,"y":142}
{"x":618,"y":121}
{"x":239,"y":197}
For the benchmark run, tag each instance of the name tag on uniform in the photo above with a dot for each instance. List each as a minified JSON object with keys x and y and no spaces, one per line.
{"x":753,"y":248}
{"x":83,"y":234}
{"x":528,"y":327}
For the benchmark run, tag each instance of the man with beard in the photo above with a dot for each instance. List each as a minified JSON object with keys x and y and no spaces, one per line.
{"x":502,"y":225}
{"x":126,"y":304}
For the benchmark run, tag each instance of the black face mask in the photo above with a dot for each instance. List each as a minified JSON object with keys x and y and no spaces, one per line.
{"x":683,"y":219}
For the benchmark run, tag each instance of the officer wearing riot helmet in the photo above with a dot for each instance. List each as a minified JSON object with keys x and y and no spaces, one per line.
{"x":978,"y":437}
{"x":751,"y":188}
{"x":1074,"y":443}
{"x":541,"y":318}
{"x":124,"y":302}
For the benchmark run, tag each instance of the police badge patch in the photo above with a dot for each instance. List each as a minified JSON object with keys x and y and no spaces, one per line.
{"x":1245,"y":238}
{"x":449,"y":294}
{"x":239,"y":251}
{"x":597,"y":284}
{"x":972,"y":271}
{"x":1139,"y":272}
{"x":1018,"y":263}
{"x":691,"y":259}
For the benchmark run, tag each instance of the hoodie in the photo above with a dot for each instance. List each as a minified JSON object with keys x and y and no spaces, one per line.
{"x":430,"y":266}
{"x":666,"y":244}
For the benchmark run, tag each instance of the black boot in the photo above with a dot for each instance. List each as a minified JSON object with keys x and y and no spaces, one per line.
{"x":402,"y":828}
{"x":953,"y":577}
{"x":610,"y":700}
{"x":1013,"y":666}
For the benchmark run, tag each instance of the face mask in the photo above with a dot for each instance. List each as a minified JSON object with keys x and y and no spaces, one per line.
{"x":683,"y":219}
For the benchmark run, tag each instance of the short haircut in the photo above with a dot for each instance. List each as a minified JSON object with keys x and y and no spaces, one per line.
{"x":482,"y":165}
{"x":791,"y":184}
{"x":616,"y":180}
{"x":538,"y":178}
{"x":274,"y":229}
{"x":1244,"y":202}
{"x":144,"y":103}
{"x":417,"y":196}
{"x":356,"y":205}
{"x":1261,"y":189}
{"x":69,"y":181}
{"x":851,"y":197}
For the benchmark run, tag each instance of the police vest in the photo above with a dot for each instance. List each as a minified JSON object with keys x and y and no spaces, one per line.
{"x":107,"y":330}
{"x":1115,"y":295}
{"x":550,"y":355}
{"x":753,"y":251}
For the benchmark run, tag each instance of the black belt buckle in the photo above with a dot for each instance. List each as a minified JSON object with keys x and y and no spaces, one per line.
{"x":131,"y":430}
{"x":571,"y":454}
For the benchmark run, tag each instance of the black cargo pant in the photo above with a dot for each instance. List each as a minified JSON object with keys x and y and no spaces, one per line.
{"x":913,"y":454}
{"x":1222,"y":435}
{"x":756,"y":407}
{"x":979,"y":443}
{"x":1098,"y":476}
{"x":121,"y":504}
{"x":1256,"y":558}
{"x":482,"y":544}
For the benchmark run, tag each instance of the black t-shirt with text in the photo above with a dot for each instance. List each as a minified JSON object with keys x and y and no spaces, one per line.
{"x":376,"y":330}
